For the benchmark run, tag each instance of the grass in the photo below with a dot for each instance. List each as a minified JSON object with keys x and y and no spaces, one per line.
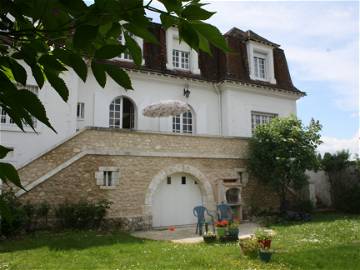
{"x":328,"y":242}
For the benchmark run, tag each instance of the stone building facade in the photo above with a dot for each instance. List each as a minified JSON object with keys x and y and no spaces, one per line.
{"x":143,"y":161}
{"x":155,"y":170}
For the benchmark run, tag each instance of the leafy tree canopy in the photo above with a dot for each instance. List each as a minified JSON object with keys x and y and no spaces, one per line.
{"x":281,"y":151}
{"x":53,"y":36}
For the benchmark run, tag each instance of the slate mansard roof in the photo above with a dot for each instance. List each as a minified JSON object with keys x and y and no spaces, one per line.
{"x":219,"y":67}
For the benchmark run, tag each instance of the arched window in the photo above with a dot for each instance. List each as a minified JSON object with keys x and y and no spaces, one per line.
{"x":122,"y":113}
{"x":183,"y":123}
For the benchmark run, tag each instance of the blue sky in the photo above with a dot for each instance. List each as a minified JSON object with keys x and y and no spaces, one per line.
{"x":321,"y":43}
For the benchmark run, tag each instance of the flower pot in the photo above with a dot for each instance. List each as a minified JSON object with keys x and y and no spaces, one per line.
{"x":266,"y":244}
{"x":209,"y":239}
{"x":221,"y":231}
{"x":233,"y":232}
{"x":265,"y":256}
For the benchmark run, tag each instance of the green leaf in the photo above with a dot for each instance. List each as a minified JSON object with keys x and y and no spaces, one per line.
{"x":78,"y":65}
{"x":141,"y":32}
{"x":99,"y":73}
{"x":212,"y":34}
{"x":18,"y":71}
{"x":172,"y":5}
{"x":204,"y":44}
{"x":168,"y":20}
{"x":187,"y":33}
{"x":119,"y":76}
{"x":33,"y":105}
{"x":58,"y":84}
{"x":50,"y":62}
{"x":195,"y":12}
{"x":109,"y":51}
{"x":38,"y":75}
{"x":134,"y":49}
{"x":73,"y":60}
{"x":84,"y":35}
{"x":4,"y":151}
{"x":8,"y":173}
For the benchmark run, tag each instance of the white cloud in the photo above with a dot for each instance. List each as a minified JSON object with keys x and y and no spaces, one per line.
{"x":332,"y":144}
{"x":338,"y":67}
{"x":320,"y":40}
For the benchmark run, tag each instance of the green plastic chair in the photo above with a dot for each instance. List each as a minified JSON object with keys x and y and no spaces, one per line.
{"x":199,"y":212}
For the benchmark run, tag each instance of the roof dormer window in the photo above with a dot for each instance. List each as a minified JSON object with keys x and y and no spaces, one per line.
{"x":179,"y":54}
{"x":181,"y":59}
{"x":261,"y":62}
{"x":260,"y":66}
{"x":126,"y":56}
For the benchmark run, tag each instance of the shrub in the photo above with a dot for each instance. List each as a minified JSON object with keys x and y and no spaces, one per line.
{"x":249,"y":247}
{"x":13,"y":215}
{"x":81,"y":215}
{"x":42,"y":212}
{"x":304,"y":206}
{"x":347,"y":197}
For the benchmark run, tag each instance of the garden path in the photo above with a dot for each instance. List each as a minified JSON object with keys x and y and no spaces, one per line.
{"x":186,"y":234}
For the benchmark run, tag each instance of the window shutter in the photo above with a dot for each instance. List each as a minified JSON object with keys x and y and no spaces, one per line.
{"x":99,"y":178}
{"x":116,"y":178}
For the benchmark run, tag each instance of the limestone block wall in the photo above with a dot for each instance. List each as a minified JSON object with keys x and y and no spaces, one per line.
{"x":142,"y":159}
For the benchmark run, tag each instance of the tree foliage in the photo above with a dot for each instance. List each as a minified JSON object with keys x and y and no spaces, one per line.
{"x":281,"y":151}
{"x":52,"y":36}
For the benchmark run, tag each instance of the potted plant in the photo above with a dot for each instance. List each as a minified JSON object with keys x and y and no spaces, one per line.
{"x":265,"y":254}
{"x":221,"y":228}
{"x":264,"y":238}
{"x":249,"y":247}
{"x":233,"y":230}
{"x":209,"y":237}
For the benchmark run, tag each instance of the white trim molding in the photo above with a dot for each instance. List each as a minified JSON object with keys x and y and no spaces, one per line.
{"x":172,"y":42}
{"x":254,"y":48}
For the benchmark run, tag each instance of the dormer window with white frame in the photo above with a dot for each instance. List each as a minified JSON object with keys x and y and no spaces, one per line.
{"x":126,"y":56}
{"x":179,"y":54}
{"x":261,"y":62}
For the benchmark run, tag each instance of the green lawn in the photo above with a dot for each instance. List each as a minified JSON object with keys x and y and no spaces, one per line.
{"x":328,"y":242}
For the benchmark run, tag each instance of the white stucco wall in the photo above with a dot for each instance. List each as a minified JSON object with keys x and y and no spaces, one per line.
{"x":239,"y":101}
{"x":229,"y":102}
{"x":61,"y":115}
{"x":320,"y":185}
{"x":149,"y":89}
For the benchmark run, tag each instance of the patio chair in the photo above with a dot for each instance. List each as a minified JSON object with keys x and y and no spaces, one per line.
{"x":224,"y":212}
{"x":199,"y":212}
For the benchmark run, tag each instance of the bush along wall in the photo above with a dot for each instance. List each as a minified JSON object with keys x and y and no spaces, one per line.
{"x":344,"y":178}
{"x":81,"y":215}
{"x":18,"y":218}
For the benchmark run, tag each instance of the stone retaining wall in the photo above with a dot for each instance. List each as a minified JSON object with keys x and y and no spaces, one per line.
{"x":141,"y":158}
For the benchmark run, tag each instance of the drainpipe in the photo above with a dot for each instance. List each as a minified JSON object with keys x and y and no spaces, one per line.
{"x":217,"y":89}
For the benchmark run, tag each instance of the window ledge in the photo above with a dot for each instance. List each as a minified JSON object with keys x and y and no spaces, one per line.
{"x":14,"y":128}
{"x":107,"y":187}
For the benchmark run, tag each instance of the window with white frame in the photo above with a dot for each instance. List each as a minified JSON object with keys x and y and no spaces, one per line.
{"x":80,"y":112}
{"x":179,"y":54}
{"x":260,"y":118}
{"x":261,"y":62}
{"x":122,"y":113}
{"x":125,"y":55}
{"x":183,"y":123}
{"x":5,"y":118}
{"x":181,"y":59}
{"x":260,"y":66}
{"x":107,"y":177}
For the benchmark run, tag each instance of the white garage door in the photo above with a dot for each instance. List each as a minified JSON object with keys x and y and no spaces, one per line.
{"x":174,"y":201}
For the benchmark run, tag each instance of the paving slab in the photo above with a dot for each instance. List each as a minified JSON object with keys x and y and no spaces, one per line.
{"x":186,"y":234}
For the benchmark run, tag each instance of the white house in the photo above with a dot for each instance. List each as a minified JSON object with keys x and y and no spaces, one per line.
{"x":229,"y":95}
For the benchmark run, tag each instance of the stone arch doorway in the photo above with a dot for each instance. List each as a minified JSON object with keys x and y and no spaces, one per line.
{"x":173,"y":192}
